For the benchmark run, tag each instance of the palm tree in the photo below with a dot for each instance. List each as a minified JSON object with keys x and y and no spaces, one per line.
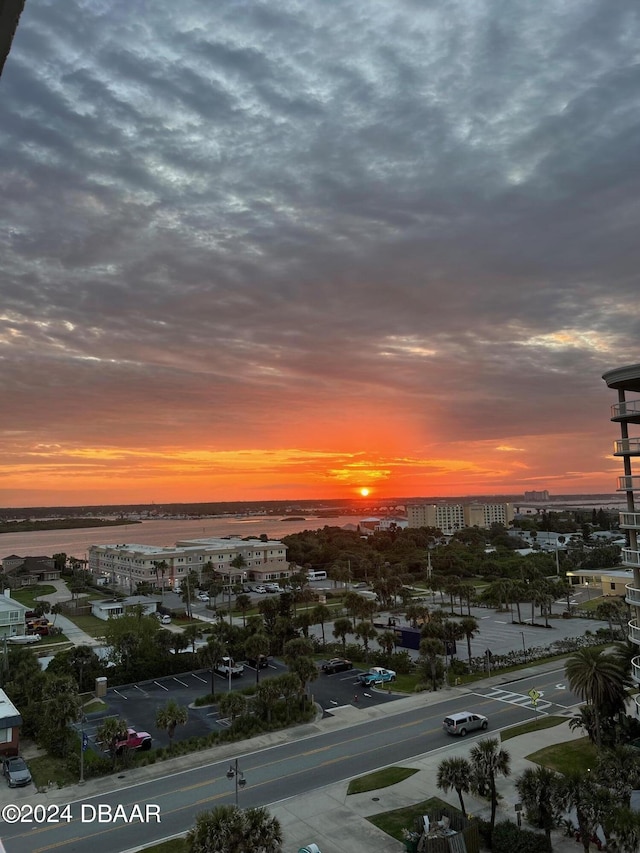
{"x":342,"y":627}
{"x":488,"y":760}
{"x":365,"y":631}
{"x":169,"y":716}
{"x":598,"y":679}
{"x":319,"y":615}
{"x":618,"y":769}
{"x":256,"y":646}
{"x":580,"y":793}
{"x":387,"y":641}
{"x":540,"y":792}
{"x":455,"y":773}
{"x":268,"y":694}
{"x":431,"y":649}
{"x":192,"y":633}
{"x":235,"y":830}
{"x":211,"y":654}
{"x":232,"y":705}
{"x":470,"y":627}
{"x":244,"y":603}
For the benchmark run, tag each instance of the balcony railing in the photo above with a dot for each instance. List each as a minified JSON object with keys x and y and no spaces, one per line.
{"x":630,"y":520}
{"x":630,"y":558}
{"x":634,"y":632}
{"x":626,"y":447}
{"x":632,"y":595}
{"x":629,"y":484}
{"x":635,"y":670}
{"x":629,"y":408}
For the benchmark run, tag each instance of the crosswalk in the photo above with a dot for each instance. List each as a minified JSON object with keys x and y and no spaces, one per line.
{"x":514,"y":698}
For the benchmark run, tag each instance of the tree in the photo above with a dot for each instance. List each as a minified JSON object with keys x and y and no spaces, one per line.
{"x":192,"y":634}
{"x":455,"y":773}
{"x":580,"y":793}
{"x":244,"y":603}
{"x":232,"y":704}
{"x":342,"y":627}
{"x":598,"y":679}
{"x":256,"y":645}
{"x":387,"y":641}
{"x":161,"y":568}
{"x":470,"y":628}
{"x":488,"y":761}
{"x":109,"y":732}
{"x":61,"y":707}
{"x":234,"y":830}
{"x":211,"y":654}
{"x":431,"y":649}
{"x":618,"y":769}
{"x":169,"y":716}
{"x":541,"y":795}
{"x":365,"y":631}
{"x":319,"y":615}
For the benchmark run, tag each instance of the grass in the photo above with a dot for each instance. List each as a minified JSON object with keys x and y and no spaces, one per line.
{"x":89,"y":624}
{"x":94,"y":705}
{"x":28,"y":595}
{"x":395,"y":821}
{"x":573,"y":756}
{"x":532,"y":726}
{"x":380,"y":779}
{"x":46,"y":769}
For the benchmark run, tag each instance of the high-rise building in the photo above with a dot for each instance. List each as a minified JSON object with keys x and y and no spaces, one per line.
{"x":626,"y":380}
{"x":452,"y":517}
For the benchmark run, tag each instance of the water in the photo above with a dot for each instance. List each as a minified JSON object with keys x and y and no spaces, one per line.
{"x":165,"y":532}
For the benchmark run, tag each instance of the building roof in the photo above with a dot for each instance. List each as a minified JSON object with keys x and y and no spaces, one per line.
{"x":7,"y":602}
{"x":9,"y":714}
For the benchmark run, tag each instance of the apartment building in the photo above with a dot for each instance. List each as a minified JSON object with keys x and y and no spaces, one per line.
{"x":452,"y":517}
{"x":129,"y":564}
{"x":626,"y":412}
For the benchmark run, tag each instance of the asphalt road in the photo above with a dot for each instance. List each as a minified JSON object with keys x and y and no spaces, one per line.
{"x":273,"y":774}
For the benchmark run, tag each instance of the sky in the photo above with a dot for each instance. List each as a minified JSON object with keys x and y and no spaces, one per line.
{"x":278,"y":249}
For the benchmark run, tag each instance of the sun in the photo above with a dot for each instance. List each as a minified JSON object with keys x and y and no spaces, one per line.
{"x":364,"y":491}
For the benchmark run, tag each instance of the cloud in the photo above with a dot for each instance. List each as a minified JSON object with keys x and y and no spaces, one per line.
{"x":402,"y":228}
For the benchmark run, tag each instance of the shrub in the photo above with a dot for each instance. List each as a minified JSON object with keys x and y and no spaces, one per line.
{"x":507,"y":837}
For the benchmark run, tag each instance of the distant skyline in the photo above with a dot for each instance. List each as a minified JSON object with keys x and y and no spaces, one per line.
{"x":278,"y":250}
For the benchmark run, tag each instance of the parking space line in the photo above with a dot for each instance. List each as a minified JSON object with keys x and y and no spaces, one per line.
{"x":203,"y":680}
{"x":121,"y":695}
{"x":184,"y":684}
{"x":157,"y":683}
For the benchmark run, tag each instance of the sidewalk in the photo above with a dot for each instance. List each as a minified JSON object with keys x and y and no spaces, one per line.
{"x":75,"y":635}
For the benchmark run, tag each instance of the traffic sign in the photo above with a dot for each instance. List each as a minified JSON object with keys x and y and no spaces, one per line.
{"x":534,"y":695}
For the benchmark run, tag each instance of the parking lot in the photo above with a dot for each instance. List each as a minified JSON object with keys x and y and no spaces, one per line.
{"x":138,"y":703}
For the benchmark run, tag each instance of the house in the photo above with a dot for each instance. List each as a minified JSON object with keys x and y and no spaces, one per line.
{"x":12,"y":616}
{"x":10,"y":722}
{"x":113,"y":607}
{"x":28,"y":571}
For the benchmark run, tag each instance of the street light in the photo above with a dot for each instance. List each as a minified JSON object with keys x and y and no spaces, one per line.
{"x":234,"y":773}
{"x":586,"y":583}
{"x":524,"y":648}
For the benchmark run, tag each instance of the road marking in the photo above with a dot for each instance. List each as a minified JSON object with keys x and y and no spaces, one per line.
{"x":203,"y":680}
{"x":515,"y":698}
{"x":157,"y":683}
{"x":561,"y":686}
{"x":184,"y":684}
{"x":500,"y":622}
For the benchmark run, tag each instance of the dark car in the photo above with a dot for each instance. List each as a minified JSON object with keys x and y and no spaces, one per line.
{"x":16,"y":771}
{"x":261,"y":663}
{"x":336,"y":665}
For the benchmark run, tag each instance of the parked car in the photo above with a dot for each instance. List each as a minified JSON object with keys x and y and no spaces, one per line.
{"x":177,"y":590}
{"x":336,"y":665}
{"x":261,"y":663}
{"x":377,"y":675}
{"x":463,"y":722}
{"x":16,"y":771}
{"x":228,"y":667}
{"x":272,"y":587}
{"x":203,"y":596}
{"x":261,"y":589}
{"x":134,"y":740}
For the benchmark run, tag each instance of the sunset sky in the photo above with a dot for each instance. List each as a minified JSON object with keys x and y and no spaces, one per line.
{"x":272,"y":249}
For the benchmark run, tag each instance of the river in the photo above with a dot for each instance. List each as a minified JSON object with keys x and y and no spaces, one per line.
{"x":165,"y":532}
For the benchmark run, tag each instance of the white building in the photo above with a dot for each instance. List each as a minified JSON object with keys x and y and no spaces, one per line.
{"x":109,"y":609}
{"x":128,"y":564}
{"x":12,"y":616}
{"x":452,"y":517}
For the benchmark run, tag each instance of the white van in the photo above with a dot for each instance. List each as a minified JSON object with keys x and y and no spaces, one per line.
{"x":316,"y":576}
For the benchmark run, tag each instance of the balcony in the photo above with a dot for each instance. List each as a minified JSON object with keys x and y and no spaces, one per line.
{"x":632,"y":595}
{"x":630,"y":558}
{"x":629,"y":484}
{"x":635,"y":670}
{"x":630,"y":520}
{"x":627,"y":411}
{"x":626,"y":447}
{"x":634,"y":633}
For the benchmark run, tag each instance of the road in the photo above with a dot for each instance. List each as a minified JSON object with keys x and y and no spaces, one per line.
{"x":313,"y":760}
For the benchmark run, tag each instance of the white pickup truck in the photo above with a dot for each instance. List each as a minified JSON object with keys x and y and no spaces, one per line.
{"x":228,"y":667}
